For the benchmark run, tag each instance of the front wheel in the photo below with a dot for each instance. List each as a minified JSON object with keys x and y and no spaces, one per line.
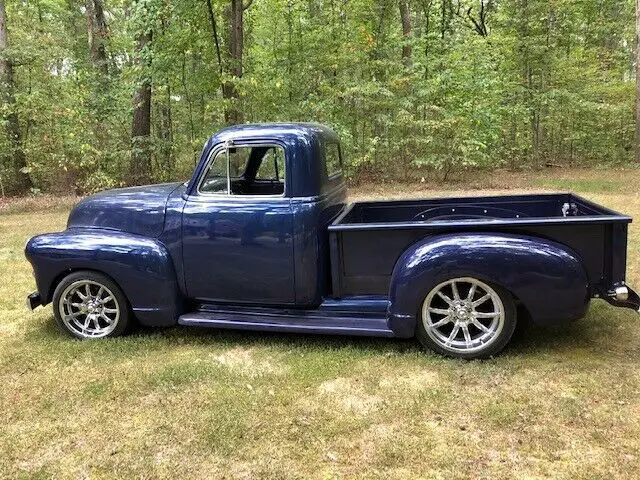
{"x":90,"y":305}
{"x":466,"y":318}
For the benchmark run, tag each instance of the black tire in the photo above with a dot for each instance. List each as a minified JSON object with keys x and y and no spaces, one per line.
{"x":76,"y":282}
{"x":497,"y":342}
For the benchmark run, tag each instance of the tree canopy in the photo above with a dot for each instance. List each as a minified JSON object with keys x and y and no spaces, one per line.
{"x":103,"y":93}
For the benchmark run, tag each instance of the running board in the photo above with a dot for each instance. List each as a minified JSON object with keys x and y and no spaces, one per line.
{"x":301,"y":321}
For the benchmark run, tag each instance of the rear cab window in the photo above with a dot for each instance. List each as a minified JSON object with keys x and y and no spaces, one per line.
{"x":332,"y":166}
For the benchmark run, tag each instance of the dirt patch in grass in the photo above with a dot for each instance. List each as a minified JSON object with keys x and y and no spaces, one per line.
{"x":417,"y":380}
{"x":244,"y":361}
{"x":348,"y":395}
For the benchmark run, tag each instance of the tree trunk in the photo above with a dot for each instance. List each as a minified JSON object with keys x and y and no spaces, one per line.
{"x":637,"y":81}
{"x":164,"y":128}
{"x":187,"y":99}
{"x":235,"y":43}
{"x":443,"y":18}
{"x":140,"y":168}
{"x":527,"y":65}
{"x":214,"y":34}
{"x":20,"y":182}
{"x":427,"y":25}
{"x":405,"y":18}
{"x":98,"y":35}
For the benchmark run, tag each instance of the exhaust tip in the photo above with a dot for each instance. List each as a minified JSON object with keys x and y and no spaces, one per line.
{"x":621,"y":294}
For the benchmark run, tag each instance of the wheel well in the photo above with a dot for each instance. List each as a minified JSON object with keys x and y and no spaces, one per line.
{"x":68,"y":272}
{"x":520,"y":306}
{"x":56,"y":282}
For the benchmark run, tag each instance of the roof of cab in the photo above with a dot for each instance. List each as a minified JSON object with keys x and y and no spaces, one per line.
{"x":304,"y":142}
{"x":275,"y":130}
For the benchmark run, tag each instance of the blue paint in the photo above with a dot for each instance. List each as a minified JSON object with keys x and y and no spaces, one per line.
{"x":141,"y":266}
{"x":350,"y":320}
{"x":546,"y":277}
{"x":304,"y":261}
{"x":238,"y":250}
{"x":596,"y":234}
{"x":139,"y":210}
{"x":303,"y":148}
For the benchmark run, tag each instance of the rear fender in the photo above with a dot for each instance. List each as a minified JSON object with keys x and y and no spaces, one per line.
{"x":142,"y":267}
{"x":547,"y":277}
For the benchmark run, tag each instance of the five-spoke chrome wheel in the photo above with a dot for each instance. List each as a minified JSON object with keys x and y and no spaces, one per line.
{"x":463,"y":316}
{"x":89,"y":309}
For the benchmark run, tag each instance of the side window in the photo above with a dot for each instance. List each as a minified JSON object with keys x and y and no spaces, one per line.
{"x":333,"y":159}
{"x":332,"y":167}
{"x":238,"y":160}
{"x":250,"y":170}
{"x":272,"y":165}
{"x":215,"y":180}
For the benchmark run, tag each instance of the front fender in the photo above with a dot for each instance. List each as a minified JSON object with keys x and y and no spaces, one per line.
{"x":547,"y":277}
{"x":142,"y":267}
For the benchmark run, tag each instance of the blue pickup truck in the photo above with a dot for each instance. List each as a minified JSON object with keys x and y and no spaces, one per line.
{"x":261,"y":238}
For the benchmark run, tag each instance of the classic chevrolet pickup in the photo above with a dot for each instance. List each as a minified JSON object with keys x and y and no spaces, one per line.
{"x":261,"y":238}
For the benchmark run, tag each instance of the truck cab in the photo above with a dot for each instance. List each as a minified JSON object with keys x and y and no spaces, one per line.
{"x":255,"y":216}
{"x":261,"y":238}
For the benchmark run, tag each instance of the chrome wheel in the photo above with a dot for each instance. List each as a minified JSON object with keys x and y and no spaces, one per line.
{"x":463,"y":315}
{"x":89,"y":309}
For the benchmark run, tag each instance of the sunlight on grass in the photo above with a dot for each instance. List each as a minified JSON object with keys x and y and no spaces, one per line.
{"x":581,"y":185}
{"x":561,"y":402}
{"x":593,"y":186}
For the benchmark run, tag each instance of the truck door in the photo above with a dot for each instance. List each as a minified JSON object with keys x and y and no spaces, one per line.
{"x":237,"y":228}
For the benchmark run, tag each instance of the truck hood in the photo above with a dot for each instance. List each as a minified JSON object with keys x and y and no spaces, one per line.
{"x":139,"y":210}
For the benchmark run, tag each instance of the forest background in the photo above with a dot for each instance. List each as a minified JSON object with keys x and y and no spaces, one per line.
{"x":105,"y":93}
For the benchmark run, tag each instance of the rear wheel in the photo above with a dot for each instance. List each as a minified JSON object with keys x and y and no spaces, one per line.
{"x":90,"y":305}
{"x":466,"y":318}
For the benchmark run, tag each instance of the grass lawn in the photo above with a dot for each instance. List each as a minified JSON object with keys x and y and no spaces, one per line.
{"x":219,"y":404}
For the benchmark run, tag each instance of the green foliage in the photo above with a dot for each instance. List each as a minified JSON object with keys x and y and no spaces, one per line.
{"x":551,"y":82}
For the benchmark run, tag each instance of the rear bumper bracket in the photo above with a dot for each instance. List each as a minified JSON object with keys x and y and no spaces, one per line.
{"x":33,"y":300}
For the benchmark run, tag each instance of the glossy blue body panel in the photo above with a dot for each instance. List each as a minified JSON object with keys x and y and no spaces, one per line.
{"x":545,"y":276}
{"x":312,"y":216}
{"x":597,"y":235}
{"x":139,"y":210}
{"x":303,"y":145}
{"x":141,"y":266}
{"x":171,"y":237}
{"x":238,"y":251}
{"x":256,"y":250}
{"x":304,"y":261}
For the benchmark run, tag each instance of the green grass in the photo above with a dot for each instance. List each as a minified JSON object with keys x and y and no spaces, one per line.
{"x":561,"y":403}
{"x":592,"y":186}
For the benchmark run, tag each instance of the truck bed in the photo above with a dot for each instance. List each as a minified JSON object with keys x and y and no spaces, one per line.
{"x":367,"y":238}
